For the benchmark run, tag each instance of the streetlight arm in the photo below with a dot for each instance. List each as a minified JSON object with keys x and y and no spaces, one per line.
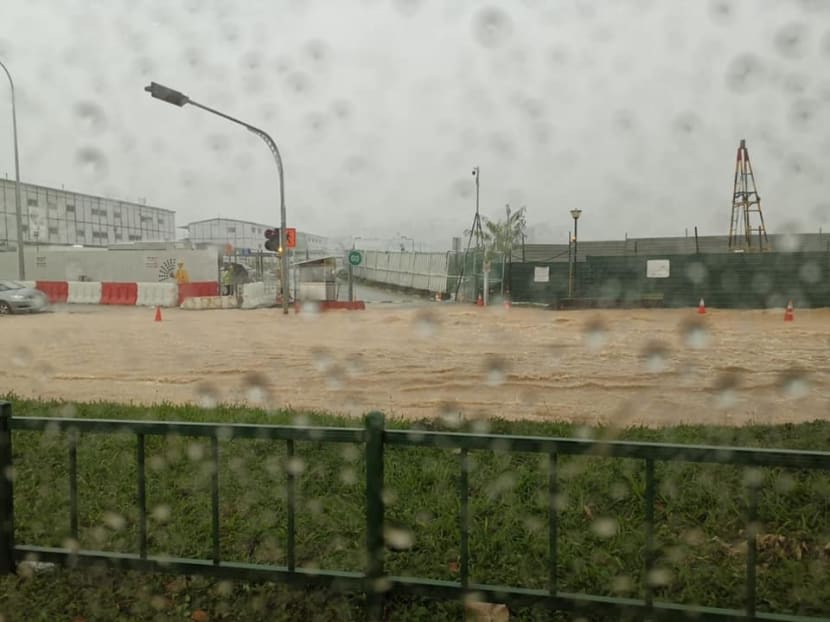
{"x":177,"y":98}
{"x":278,"y":158}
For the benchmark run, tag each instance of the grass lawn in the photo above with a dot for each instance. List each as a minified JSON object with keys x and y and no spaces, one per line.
{"x":699,"y":519}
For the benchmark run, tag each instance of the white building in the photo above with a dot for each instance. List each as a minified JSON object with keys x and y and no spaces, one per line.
{"x":246,"y":236}
{"x":63,"y":217}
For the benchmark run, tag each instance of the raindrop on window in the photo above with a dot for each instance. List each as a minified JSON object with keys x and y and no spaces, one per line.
{"x":794,"y":384}
{"x":695,"y":334}
{"x":114,"y":521}
{"x":398,"y":538}
{"x":256,"y":387}
{"x":595,"y":334}
{"x":496,"y":370}
{"x":744,"y":73}
{"x":726,"y":386}
{"x":622,"y":584}
{"x":295,"y":465}
{"x":810,"y":272}
{"x":659,"y":577}
{"x":195,"y":451}
{"x":92,"y":162}
{"x":161,"y":513}
{"x":91,"y":116}
{"x":21,"y":356}
{"x":425,"y":324}
{"x":492,"y":27}
{"x":207,"y":396}
{"x":605,"y":527}
{"x":790,"y":40}
{"x":451,"y":415}
{"x":655,"y":355}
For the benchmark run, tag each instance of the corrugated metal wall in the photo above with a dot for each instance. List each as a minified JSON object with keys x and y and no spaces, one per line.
{"x":733,"y":280}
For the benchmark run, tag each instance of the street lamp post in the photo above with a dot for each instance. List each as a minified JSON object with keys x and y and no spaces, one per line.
{"x":180,"y":99}
{"x":575,"y":214}
{"x":21,"y":263}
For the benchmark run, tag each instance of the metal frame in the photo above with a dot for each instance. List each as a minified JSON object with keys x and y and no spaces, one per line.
{"x":745,"y":201}
{"x":373,"y":581}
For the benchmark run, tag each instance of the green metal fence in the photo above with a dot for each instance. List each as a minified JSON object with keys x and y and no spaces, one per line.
{"x":374,"y":582}
{"x":734,"y":280}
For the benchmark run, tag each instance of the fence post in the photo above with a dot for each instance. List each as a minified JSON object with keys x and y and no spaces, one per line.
{"x":374,"y":516}
{"x":7,"y":565}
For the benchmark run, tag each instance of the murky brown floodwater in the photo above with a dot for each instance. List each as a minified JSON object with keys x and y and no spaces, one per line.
{"x":624,"y":367}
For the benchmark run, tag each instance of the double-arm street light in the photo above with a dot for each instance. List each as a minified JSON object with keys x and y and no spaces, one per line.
{"x":180,"y":99}
{"x":21,"y":264}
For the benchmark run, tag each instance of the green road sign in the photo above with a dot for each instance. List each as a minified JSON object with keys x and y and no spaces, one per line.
{"x":355,"y":257}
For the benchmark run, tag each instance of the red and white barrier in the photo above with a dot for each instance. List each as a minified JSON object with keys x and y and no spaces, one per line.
{"x":128,"y":294}
{"x":157,"y":295}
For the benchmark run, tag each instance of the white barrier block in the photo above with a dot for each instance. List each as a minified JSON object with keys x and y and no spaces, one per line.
{"x":253,"y":295}
{"x":157,"y":295}
{"x":84,"y":293}
{"x":200,"y":303}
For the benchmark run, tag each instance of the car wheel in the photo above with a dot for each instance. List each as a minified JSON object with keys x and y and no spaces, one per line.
{"x":5,"y":308}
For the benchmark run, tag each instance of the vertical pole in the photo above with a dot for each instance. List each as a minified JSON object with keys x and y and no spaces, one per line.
{"x":291,"y":494}
{"x":649,"y":549}
{"x":142,"y":497}
{"x":351,"y":282}
{"x":7,"y":564}
{"x":576,"y":241}
{"x":570,"y":267}
{"x":464,"y":517}
{"x":214,"y":498}
{"x":73,"y":484}
{"x":374,"y":515}
{"x":553,"y":526}
{"x":486,"y":296}
{"x":752,"y":550}
{"x":18,"y":207}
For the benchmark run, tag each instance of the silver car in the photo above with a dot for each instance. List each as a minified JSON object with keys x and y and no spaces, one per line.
{"x":18,"y":298}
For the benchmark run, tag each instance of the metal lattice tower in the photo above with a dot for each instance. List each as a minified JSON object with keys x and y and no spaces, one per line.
{"x":745,"y":202}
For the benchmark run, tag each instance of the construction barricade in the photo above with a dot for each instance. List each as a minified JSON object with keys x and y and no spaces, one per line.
{"x":198,"y":290}
{"x":56,"y":291}
{"x":200,"y":303}
{"x":157,"y":295}
{"x":83,"y":293}
{"x":119,"y":293}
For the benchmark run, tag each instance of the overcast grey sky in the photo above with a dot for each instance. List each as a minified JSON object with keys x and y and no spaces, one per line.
{"x":631,"y":110}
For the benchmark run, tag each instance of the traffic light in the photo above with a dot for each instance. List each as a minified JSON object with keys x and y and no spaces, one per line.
{"x":272,"y":240}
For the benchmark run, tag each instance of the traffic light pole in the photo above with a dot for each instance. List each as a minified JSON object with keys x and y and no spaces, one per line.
{"x":180,"y":99}
{"x":284,"y":286}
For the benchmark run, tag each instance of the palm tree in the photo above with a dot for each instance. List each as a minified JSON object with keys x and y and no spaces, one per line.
{"x":501,"y":236}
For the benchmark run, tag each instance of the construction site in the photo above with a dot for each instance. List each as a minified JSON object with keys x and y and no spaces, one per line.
{"x":746,"y":267}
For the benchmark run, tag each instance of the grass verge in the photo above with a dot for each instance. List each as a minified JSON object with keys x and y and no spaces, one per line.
{"x":699,"y":514}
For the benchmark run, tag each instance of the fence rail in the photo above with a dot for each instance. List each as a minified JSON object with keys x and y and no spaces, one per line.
{"x":373,"y":581}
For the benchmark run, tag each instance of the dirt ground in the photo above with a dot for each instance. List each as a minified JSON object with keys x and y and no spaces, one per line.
{"x":621,"y":367}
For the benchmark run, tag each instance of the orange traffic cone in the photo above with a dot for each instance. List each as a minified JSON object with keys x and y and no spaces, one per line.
{"x":701,"y":308}
{"x":158,"y":314}
{"x":479,"y":301}
{"x":789,"y":316}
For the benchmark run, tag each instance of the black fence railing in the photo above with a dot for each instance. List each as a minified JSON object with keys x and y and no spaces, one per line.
{"x":374,"y":581}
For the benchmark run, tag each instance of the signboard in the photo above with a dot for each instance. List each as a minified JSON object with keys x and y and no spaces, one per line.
{"x":291,"y":237}
{"x":541,"y":274}
{"x":487,"y":266}
{"x":151,"y":262}
{"x":355,"y":258}
{"x":657,"y":269}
